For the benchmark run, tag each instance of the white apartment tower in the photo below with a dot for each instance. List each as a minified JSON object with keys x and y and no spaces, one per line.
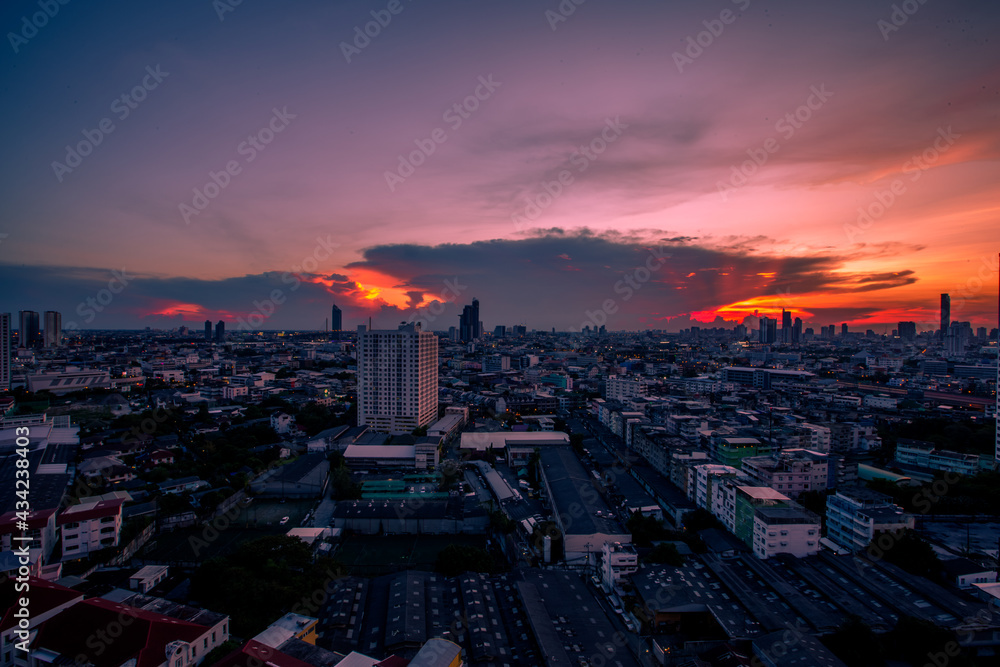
{"x":397,"y":378}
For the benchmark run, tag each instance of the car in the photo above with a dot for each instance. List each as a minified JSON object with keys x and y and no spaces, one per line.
{"x":283,"y":521}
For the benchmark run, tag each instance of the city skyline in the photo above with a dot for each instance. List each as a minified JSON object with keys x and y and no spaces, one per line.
{"x":386,"y":174}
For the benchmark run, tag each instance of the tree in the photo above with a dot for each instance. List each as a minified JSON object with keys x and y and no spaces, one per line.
{"x":455,"y":559}
{"x":283,"y":574}
{"x":646,"y":529}
{"x":909,"y":551}
{"x":666,"y":554}
{"x":856,"y":644}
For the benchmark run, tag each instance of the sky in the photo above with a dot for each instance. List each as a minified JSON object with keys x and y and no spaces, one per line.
{"x":638,"y":164}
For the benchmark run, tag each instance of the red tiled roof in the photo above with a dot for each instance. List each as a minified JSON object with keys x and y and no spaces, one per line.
{"x":36,"y":521}
{"x":393,"y":661}
{"x":42,"y":595}
{"x":98,"y":510}
{"x":86,"y":630}
{"x":254,"y":654}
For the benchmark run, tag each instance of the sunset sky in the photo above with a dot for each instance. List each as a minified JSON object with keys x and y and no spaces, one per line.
{"x":839,"y":159}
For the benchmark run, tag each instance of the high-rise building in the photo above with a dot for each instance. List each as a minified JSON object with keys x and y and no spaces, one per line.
{"x":797,"y":330}
{"x":470,"y":327}
{"x":397,"y":378}
{"x":220,"y":332}
{"x":336,"y":319}
{"x":768,"y":330}
{"x":907,"y":330}
{"x":29,"y":330}
{"x":843,"y":329}
{"x":945,"y":315}
{"x":53,"y":329}
{"x":996,"y":413}
{"x":786,"y":326}
{"x":208,"y":330}
{"x":4,"y":351}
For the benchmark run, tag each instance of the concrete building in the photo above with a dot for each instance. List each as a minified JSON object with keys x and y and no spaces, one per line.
{"x":855,"y":515}
{"x":92,"y":525}
{"x":617,"y":561}
{"x":791,"y":473}
{"x":69,"y":381}
{"x":785,"y":530}
{"x":926,"y":455}
{"x":53,"y":329}
{"x":703,"y":481}
{"x":418,"y":456}
{"x":147,"y":578}
{"x":621,"y":388}
{"x":397,"y":379}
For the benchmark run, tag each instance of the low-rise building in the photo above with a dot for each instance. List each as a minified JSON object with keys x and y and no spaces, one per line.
{"x":785,"y":530}
{"x":617,"y":561}
{"x":855,"y":515}
{"x":92,"y":525}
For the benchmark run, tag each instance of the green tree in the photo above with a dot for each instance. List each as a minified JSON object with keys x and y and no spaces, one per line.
{"x":909,"y":551}
{"x":856,"y":644}
{"x":666,"y":554}
{"x":455,"y":559}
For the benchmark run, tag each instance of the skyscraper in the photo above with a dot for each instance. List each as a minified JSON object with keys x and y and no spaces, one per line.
{"x":945,"y":315}
{"x":843,"y":329}
{"x":336,"y":319}
{"x":208,"y":330}
{"x":469,"y":326}
{"x":397,"y":378}
{"x":220,"y":332}
{"x":28,"y":331}
{"x":786,"y":326}
{"x":4,"y":351}
{"x":797,"y":331}
{"x":53,"y":329}
{"x":907,"y":330}
{"x":768,"y":330}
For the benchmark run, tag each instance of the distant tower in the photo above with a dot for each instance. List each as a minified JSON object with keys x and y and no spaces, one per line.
{"x":28,"y":328}
{"x":220,"y":332}
{"x":4,"y":351}
{"x":208,"y":330}
{"x":477,"y":325}
{"x":945,"y":315}
{"x":53,"y":329}
{"x":996,"y":416}
{"x":469,"y":326}
{"x":843,"y":329}
{"x":786,"y":326}
{"x":336,"y":320}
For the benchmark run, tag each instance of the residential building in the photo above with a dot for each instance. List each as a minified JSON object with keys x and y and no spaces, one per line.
{"x":617,"y":561}
{"x":792,"y":472}
{"x":785,"y":530}
{"x":926,"y":455}
{"x":855,"y":515}
{"x":29,"y":332}
{"x":397,"y":379}
{"x":703,"y":480}
{"x":92,"y":525}
{"x":53,"y":329}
